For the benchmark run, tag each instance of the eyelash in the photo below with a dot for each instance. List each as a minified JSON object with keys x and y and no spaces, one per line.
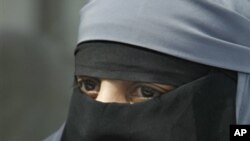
{"x":139,"y":91}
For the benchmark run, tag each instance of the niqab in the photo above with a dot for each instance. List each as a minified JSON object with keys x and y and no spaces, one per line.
{"x":187,"y":113}
{"x":210,"y":32}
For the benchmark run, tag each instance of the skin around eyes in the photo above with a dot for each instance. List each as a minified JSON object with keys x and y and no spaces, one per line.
{"x":132,"y":91}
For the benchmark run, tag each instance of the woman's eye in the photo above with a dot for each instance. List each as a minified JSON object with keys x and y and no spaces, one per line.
{"x":143,"y":92}
{"x":89,"y":86}
{"x":148,"y":92}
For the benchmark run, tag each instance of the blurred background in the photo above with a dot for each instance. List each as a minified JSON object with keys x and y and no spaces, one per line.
{"x":37,"y":40}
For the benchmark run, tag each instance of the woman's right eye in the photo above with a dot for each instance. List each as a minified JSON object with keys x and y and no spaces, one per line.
{"x":90,"y":86}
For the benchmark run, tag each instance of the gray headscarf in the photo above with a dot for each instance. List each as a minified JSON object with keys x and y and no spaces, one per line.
{"x":211,"y":32}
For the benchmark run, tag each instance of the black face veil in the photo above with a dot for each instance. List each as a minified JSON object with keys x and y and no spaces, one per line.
{"x":210,"y":32}
{"x":201,"y":108}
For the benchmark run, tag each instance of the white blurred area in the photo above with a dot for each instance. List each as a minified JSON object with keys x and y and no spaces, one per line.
{"x":37,"y":40}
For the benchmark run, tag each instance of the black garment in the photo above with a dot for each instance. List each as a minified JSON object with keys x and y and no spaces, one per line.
{"x":127,"y":62}
{"x":201,"y":110}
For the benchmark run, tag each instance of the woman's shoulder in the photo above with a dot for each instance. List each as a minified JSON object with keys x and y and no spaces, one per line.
{"x":56,"y":136}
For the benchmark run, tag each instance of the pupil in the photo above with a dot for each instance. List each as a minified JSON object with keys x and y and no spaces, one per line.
{"x":89,"y":85}
{"x":147,"y":92}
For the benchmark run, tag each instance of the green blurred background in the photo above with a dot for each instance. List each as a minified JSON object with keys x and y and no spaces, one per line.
{"x":37,"y":40}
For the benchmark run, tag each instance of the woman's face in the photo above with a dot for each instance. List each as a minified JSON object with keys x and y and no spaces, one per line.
{"x":120,"y":91}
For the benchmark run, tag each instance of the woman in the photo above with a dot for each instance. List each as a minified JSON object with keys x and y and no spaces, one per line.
{"x":160,"y":70}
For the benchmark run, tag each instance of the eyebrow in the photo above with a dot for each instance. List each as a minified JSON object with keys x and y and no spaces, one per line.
{"x":165,"y":86}
{"x":82,"y":77}
{"x":159,"y":86}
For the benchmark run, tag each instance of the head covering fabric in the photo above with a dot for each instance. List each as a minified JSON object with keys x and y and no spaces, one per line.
{"x":210,"y":32}
{"x":114,"y":60}
{"x":178,"y":115}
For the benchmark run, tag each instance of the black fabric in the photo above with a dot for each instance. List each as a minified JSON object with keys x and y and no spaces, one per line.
{"x":201,"y":110}
{"x":127,"y":62}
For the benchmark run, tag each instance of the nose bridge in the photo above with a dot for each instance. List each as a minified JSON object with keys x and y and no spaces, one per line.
{"x":112,"y":91}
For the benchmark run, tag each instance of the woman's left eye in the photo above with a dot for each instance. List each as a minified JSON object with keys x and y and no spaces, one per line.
{"x":143,"y":92}
{"x":148,"y":92}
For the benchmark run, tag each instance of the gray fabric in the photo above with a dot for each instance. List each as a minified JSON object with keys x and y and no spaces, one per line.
{"x":243,"y":98}
{"x":57,"y":135}
{"x":211,"y":32}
